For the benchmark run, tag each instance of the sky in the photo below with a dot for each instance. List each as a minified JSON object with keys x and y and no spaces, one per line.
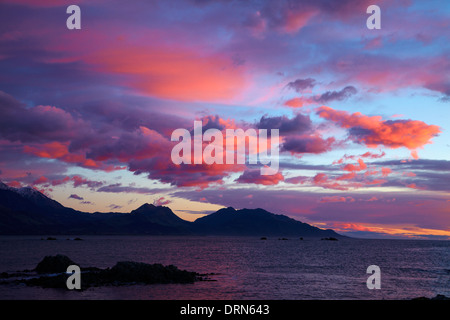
{"x":86,"y":115}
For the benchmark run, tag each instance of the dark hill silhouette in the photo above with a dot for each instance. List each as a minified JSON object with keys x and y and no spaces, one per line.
{"x":28,"y":211}
{"x":160,"y":215}
{"x":147,"y":219}
{"x":256,"y":222}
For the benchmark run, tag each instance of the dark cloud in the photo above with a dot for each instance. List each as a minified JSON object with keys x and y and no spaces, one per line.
{"x":299,"y":124}
{"x":336,"y":95}
{"x":114,"y":206}
{"x":419,"y":164}
{"x":301,"y":84}
{"x":184,"y":175}
{"x":209,"y":122}
{"x":119,"y":188}
{"x":254,"y":176}
{"x":80,"y":181}
{"x":442,"y":87}
{"x":424,"y":174}
{"x":76,"y":197}
{"x":36,"y":124}
{"x":308,"y":144}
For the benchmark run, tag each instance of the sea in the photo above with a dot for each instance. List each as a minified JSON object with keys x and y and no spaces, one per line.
{"x":242,"y":268}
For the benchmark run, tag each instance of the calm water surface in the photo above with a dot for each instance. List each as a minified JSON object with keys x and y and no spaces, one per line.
{"x":246,"y":267}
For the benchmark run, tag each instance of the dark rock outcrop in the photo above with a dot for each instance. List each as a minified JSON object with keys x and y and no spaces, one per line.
{"x":437,"y":297}
{"x":54,"y":264}
{"x":129,"y":271}
{"x":51,"y":273}
{"x":329,"y":239}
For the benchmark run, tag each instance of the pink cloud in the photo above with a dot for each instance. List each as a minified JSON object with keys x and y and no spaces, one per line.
{"x":320,"y":178}
{"x":336,"y":199}
{"x":176,"y":72}
{"x":60,"y":151}
{"x":414,"y":154}
{"x":296,"y":102}
{"x":297,"y":180}
{"x":409,"y":174}
{"x":371,"y":172}
{"x":373,"y":131}
{"x":376,"y":181}
{"x":77,"y":181}
{"x":254,"y":176}
{"x":41,"y":180}
{"x":297,"y":19}
{"x":161,"y":202}
{"x":14,"y":184}
{"x":385,"y":172}
{"x":414,"y":186}
{"x":352,"y":168}
{"x":347,"y":176}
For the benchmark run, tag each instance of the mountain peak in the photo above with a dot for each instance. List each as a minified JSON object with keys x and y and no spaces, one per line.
{"x":146,"y":206}
{"x":30,"y":192}
{"x":226,"y":210}
{"x":4,"y":186}
{"x":256,"y":222}
{"x":158,"y":214}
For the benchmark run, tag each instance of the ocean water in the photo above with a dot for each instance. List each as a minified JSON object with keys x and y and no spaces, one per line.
{"x":244,"y":267}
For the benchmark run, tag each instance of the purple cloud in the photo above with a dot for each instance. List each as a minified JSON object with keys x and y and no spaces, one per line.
{"x":76,"y":197}
{"x":300,"y":85}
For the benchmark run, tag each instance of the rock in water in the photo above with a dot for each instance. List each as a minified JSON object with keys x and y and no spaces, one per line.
{"x":330,"y":239}
{"x":129,"y":271}
{"x":54,"y":264}
{"x":123,"y":273}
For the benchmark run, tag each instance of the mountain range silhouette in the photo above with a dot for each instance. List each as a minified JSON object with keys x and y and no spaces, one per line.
{"x":28,"y":211}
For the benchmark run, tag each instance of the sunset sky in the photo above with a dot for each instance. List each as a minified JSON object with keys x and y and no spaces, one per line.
{"x":86,"y":115}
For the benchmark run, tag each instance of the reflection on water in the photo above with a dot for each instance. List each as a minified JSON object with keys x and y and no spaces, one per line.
{"x":245,"y":267}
